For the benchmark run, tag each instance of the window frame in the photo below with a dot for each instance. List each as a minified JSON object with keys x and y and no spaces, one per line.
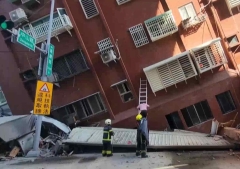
{"x":121,"y":2}
{"x":197,"y":113}
{"x":125,"y":87}
{"x":230,"y":38}
{"x":185,"y":8}
{"x":229,"y":96}
{"x":171,"y":115}
{"x":97,"y":97}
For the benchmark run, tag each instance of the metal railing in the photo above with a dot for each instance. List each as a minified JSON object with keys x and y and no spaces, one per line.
{"x":192,"y":21}
{"x":161,"y":26}
{"x":60,"y":25}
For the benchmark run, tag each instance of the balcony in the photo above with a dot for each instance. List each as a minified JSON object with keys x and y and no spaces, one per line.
{"x":161,"y":26}
{"x":169,"y":72}
{"x":39,"y":29}
{"x":209,"y":55}
{"x":192,"y":21}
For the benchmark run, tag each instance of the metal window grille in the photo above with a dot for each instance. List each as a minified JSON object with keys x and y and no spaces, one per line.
{"x":120,"y":2}
{"x":138,"y":35}
{"x":209,"y":57}
{"x":89,"y":106}
{"x":89,"y":8}
{"x":161,"y":26}
{"x":105,"y":45}
{"x":39,"y":29}
{"x":170,"y":73}
{"x":70,"y":65}
{"x":197,"y":113}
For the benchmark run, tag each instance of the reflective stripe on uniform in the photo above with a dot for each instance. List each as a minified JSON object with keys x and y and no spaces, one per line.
{"x":109,"y":152}
{"x":103,"y":152}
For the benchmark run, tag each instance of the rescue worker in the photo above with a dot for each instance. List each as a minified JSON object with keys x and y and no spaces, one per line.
{"x":143,"y":107}
{"x":139,"y":141}
{"x":143,"y":127}
{"x":107,"y":139}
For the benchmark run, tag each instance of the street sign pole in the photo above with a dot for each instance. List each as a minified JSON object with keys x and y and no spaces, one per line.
{"x":44,"y":55}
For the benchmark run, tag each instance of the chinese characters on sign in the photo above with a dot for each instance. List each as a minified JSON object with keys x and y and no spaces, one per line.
{"x":26,"y":40}
{"x":50,"y":60}
{"x":43,"y":98}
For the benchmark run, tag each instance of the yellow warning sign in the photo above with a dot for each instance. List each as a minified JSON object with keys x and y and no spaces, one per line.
{"x":43,"y":98}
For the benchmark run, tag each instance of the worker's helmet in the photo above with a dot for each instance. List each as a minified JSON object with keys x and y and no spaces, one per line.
{"x":108,"y":122}
{"x":139,"y":117}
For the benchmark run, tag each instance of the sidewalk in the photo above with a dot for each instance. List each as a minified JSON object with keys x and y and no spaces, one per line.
{"x":193,"y":160}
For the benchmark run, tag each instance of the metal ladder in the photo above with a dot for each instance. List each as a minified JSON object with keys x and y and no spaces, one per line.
{"x":143,"y":91}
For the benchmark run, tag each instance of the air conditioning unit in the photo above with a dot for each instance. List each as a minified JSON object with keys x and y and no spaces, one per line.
{"x":108,"y":56}
{"x":18,"y":15}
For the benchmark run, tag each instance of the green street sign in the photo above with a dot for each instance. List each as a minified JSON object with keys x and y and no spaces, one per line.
{"x":26,"y":40}
{"x":50,"y":60}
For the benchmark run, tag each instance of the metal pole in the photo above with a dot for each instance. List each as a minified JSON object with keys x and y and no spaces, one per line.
{"x":43,"y":78}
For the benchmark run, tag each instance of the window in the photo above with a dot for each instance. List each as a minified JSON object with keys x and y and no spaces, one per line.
{"x":120,"y":2}
{"x":187,"y":11}
{"x":64,"y":67}
{"x":209,"y":55}
{"x":83,"y":108}
{"x":233,"y":40}
{"x":174,"y":121}
{"x":170,"y":71}
{"x":226,"y":102}
{"x":2,"y":98}
{"x":124,"y":91}
{"x":161,"y":26}
{"x":197,"y":113}
{"x":89,"y":8}
{"x":138,"y":35}
{"x":70,"y":64}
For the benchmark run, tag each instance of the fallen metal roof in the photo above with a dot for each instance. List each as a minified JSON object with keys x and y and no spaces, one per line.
{"x":158,"y":139}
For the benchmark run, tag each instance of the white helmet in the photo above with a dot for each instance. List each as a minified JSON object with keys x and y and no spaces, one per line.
{"x":108,"y":122}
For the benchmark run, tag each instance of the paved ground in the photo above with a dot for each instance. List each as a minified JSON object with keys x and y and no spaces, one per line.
{"x":191,"y":160}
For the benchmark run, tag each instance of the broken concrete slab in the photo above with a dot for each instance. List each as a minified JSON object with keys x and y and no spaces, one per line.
{"x":92,"y":136}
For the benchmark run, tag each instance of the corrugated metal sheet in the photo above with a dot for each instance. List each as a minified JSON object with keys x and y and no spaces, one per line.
{"x":158,"y":139}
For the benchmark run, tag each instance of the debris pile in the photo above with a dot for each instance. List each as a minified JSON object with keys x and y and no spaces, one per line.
{"x":17,"y":136}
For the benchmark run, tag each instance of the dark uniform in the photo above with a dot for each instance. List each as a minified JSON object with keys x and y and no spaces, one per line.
{"x":143,"y":127}
{"x":107,"y":138}
{"x":139,"y":140}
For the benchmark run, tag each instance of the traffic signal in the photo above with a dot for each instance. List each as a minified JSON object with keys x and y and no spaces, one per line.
{"x":5,"y":24}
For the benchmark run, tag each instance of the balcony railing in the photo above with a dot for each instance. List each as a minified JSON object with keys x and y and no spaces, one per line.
{"x":192,"y":21}
{"x":60,"y":25}
{"x":161,"y":26}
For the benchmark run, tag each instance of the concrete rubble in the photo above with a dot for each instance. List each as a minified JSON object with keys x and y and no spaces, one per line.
{"x":17,"y":135}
